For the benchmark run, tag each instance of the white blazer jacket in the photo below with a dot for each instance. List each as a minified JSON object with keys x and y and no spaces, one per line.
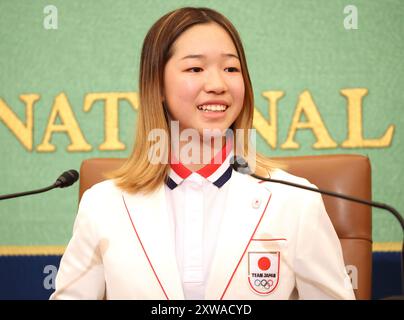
{"x":276,"y":242}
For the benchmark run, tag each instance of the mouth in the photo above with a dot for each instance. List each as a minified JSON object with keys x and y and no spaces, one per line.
{"x":213,"y":107}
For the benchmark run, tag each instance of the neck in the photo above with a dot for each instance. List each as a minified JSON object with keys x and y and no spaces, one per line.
{"x":195,"y":155}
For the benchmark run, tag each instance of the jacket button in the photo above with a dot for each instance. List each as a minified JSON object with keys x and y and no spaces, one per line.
{"x":256,"y":203}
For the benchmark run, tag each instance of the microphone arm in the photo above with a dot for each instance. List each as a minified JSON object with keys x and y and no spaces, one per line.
{"x":66,"y":179}
{"x":26,"y":193}
{"x":339,"y":195}
{"x":240,"y":165}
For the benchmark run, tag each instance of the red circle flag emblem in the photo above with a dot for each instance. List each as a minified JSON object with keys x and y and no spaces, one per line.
{"x":264,"y":263}
{"x":263,"y":271}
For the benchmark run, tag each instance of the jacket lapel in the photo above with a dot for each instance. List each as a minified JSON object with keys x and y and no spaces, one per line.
{"x":152,"y":227}
{"x":247,"y":202}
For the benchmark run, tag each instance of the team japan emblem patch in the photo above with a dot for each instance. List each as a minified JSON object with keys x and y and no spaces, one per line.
{"x":263,"y":271}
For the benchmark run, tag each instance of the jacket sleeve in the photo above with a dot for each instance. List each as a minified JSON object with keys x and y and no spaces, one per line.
{"x":319,"y":265}
{"x":81,"y":272}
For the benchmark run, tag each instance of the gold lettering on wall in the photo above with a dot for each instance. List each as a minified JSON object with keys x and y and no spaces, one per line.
{"x":268,"y":129}
{"x":355,"y":124}
{"x":306,"y":116}
{"x":111,"y":115}
{"x":23,"y":132}
{"x":62,"y":109}
{"x":306,"y":106}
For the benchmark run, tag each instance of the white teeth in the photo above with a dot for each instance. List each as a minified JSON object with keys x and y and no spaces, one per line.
{"x":213,"y":107}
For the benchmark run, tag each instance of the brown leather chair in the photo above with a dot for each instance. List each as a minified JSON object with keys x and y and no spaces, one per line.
{"x":349,"y":174}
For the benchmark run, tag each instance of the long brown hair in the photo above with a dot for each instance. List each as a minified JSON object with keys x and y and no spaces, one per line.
{"x":138,"y":174}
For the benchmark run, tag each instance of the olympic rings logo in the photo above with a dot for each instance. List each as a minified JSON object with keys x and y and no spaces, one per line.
{"x":263,"y":283}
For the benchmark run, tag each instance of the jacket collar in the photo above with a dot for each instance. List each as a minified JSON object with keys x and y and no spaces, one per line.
{"x":218,"y":171}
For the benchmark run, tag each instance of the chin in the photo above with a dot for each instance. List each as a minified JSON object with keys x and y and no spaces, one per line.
{"x":213,"y":132}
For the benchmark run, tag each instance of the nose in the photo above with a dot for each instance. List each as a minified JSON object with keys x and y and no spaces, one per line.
{"x":215,"y":83}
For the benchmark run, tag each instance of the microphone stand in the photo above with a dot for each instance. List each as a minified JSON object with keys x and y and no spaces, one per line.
{"x":66,"y":179}
{"x":349,"y":198}
{"x":240,"y":165}
{"x":26,"y":193}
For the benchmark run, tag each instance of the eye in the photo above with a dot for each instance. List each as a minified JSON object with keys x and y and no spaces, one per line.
{"x":194,"y":69}
{"x":232,"y":69}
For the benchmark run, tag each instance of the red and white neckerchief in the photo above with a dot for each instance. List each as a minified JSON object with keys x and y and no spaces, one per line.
{"x":218,"y":171}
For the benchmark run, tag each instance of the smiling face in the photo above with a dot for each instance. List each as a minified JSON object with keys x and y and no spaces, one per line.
{"x":203,"y":83}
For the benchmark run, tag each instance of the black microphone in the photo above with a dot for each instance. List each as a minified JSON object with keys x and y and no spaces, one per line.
{"x":66,"y":179}
{"x":240,"y":165}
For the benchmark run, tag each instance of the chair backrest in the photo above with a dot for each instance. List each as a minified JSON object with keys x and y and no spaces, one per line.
{"x":348,"y":174}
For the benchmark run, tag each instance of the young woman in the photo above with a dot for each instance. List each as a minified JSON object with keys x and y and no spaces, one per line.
{"x":174,"y":223}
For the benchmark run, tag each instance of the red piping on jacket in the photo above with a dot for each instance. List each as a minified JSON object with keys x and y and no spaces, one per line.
{"x":234,"y":272}
{"x":140,"y":241}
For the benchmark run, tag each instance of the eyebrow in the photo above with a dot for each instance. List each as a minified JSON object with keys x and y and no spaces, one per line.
{"x":201,"y":56}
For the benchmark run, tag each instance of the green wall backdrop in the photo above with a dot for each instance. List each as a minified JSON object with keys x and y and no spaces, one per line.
{"x":291,"y":46}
